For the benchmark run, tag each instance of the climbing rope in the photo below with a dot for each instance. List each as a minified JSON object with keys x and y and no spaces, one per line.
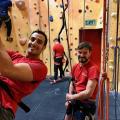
{"x":115,"y":80}
{"x":116,"y":59}
{"x":64,"y":25}
{"x":49,"y":33}
{"x":104,"y":81}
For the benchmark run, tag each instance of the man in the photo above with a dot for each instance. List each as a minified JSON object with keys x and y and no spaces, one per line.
{"x":58,"y":53}
{"x":5,"y":5}
{"x":21,"y":74}
{"x":83,"y":87}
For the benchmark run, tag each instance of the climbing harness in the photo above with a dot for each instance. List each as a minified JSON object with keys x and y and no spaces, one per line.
{"x":66,"y":62}
{"x":5,"y":87}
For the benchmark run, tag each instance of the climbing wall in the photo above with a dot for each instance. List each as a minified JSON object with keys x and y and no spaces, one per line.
{"x":112,"y":41}
{"x":47,"y":16}
{"x":79,"y":15}
{"x":20,"y":27}
{"x":83,"y":15}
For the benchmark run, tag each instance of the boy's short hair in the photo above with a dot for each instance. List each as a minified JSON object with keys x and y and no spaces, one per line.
{"x":85,"y":45}
{"x":56,"y":39}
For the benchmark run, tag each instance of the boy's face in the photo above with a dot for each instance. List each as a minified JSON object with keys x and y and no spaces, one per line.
{"x":36,"y":44}
{"x":83,"y":55}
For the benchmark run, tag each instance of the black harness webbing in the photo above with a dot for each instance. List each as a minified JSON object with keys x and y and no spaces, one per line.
{"x":8,"y":91}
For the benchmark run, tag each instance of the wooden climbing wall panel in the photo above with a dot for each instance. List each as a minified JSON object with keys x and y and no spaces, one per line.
{"x":34,"y":14}
{"x":112,"y":40}
{"x":83,"y":15}
{"x":20,"y":21}
{"x":20,"y":28}
{"x":47,"y":16}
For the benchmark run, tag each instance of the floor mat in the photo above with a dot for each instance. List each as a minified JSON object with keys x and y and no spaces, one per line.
{"x":46,"y":102}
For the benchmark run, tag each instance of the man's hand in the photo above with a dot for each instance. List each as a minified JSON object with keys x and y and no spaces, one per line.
{"x":67,"y":103}
{"x":69,"y":97}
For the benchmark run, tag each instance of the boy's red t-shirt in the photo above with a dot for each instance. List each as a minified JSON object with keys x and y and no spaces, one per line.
{"x":82,"y":74}
{"x":20,"y":89}
{"x":59,"y":50}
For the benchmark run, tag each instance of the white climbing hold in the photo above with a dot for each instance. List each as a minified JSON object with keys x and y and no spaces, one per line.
{"x":114,"y":14}
{"x":20,"y":4}
{"x":22,"y":41}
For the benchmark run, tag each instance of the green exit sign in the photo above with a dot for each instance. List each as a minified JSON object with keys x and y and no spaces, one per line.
{"x":90,"y":22}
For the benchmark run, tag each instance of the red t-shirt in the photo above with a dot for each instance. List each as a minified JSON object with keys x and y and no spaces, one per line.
{"x":58,"y":49}
{"x":20,"y":89}
{"x":82,"y":74}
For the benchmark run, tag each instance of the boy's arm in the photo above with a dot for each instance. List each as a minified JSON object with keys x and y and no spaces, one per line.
{"x":20,"y":71}
{"x":86,"y":94}
{"x":71,"y":87}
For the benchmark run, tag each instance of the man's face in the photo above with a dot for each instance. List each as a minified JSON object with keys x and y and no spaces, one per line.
{"x":36,"y":44}
{"x":83,"y":55}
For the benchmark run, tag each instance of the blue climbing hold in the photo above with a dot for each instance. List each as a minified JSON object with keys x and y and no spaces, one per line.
{"x":61,"y":5}
{"x":51,"y":18}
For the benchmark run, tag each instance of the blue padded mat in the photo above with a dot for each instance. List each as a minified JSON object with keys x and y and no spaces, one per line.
{"x":46,"y":102}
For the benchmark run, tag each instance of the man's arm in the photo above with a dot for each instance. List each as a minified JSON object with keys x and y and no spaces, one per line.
{"x":71,"y":88}
{"x":86,"y":94}
{"x":20,"y":71}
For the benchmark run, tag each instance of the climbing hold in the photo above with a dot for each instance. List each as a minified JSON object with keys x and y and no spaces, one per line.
{"x":51,"y":18}
{"x":97,"y":1}
{"x":61,"y":5}
{"x":114,"y":14}
{"x":75,"y":38}
{"x":35,"y":8}
{"x":114,"y":0}
{"x":87,"y":7}
{"x":9,"y":39}
{"x":111,"y":61}
{"x":111,"y":39}
{"x":80,"y":11}
{"x":91,"y":11}
{"x":20,"y":4}
{"x":45,"y":25}
{"x":62,"y":38}
{"x":52,"y":29}
{"x":37,"y":13}
{"x":35,"y":4}
{"x":111,"y":67}
{"x":71,"y":44}
{"x":75,"y":53}
{"x":23,"y":41}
